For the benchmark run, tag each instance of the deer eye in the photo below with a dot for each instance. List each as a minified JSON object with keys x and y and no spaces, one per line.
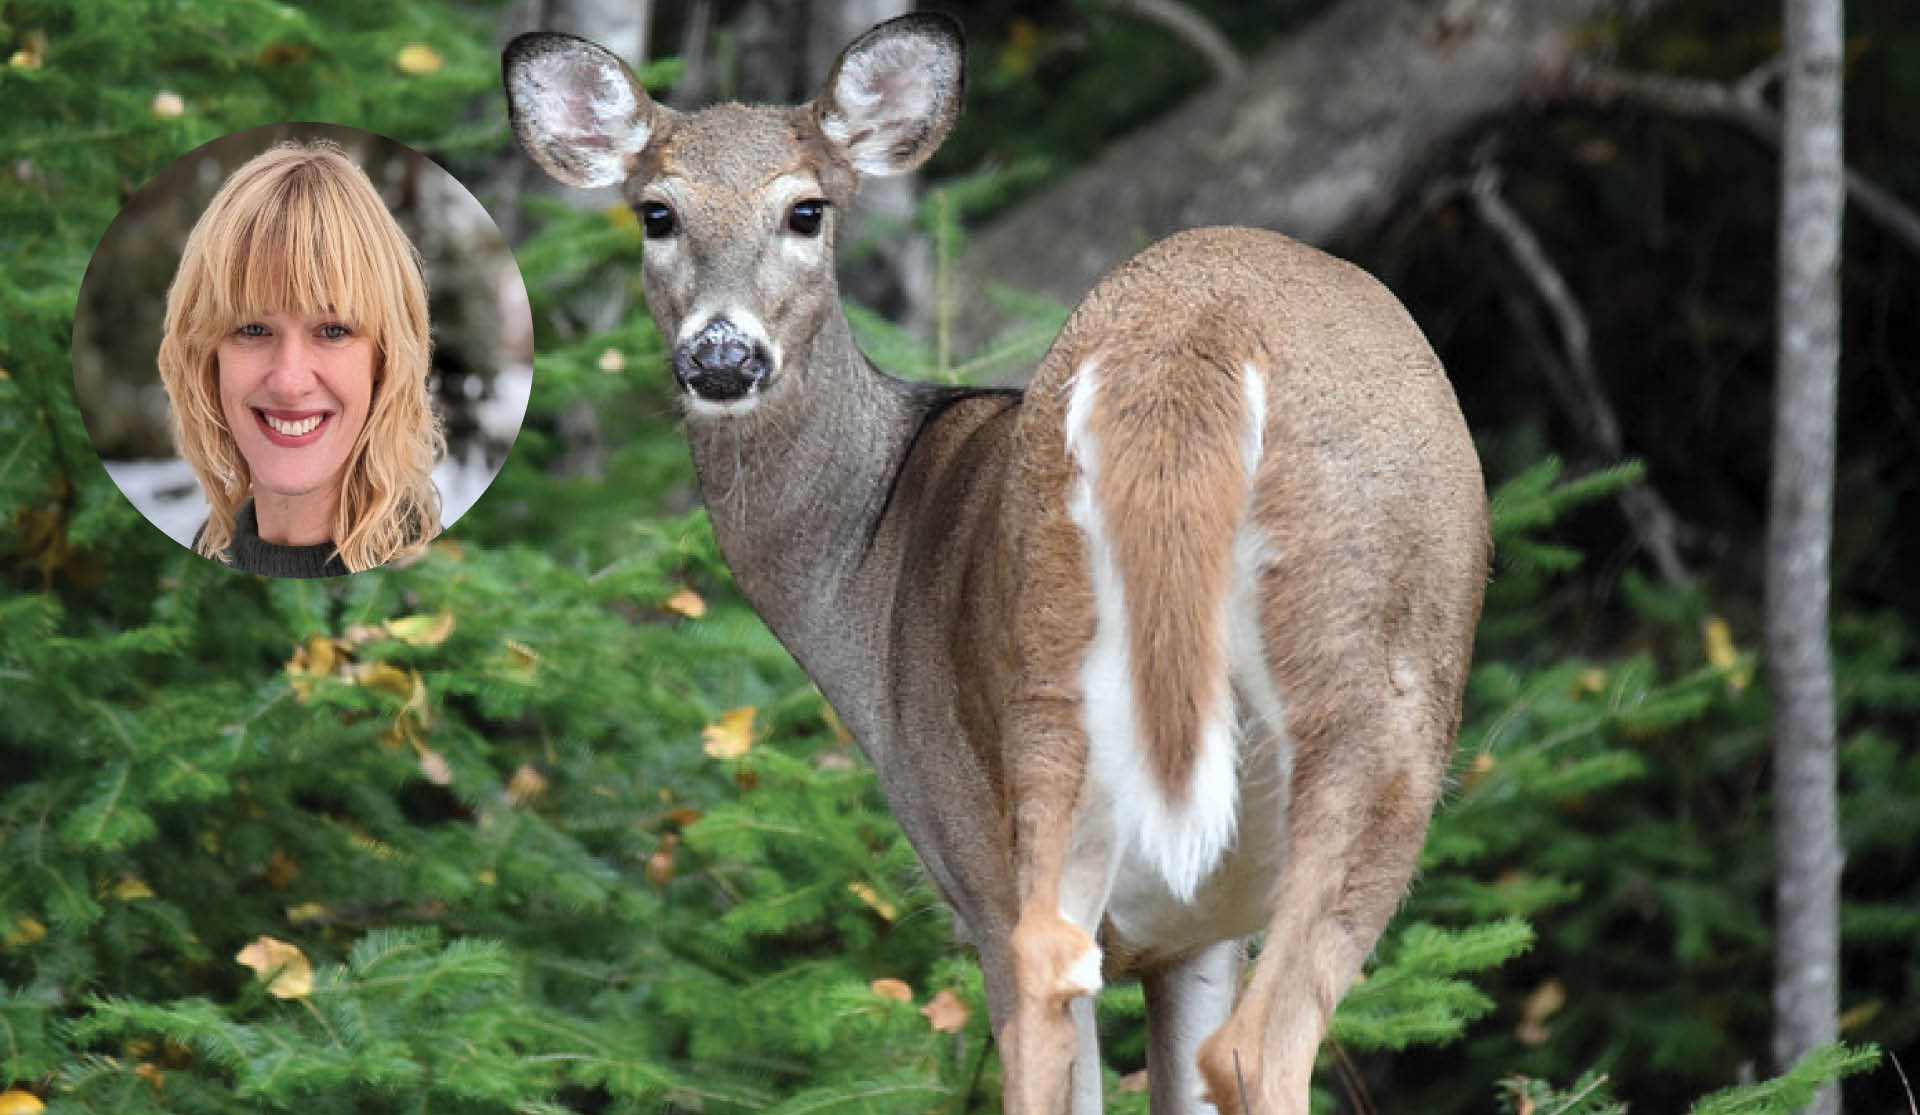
{"x":805,"y":216}
{"x":657,"y":220}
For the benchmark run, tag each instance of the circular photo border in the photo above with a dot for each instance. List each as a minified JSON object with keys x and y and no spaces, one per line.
{"x":479,"y":375}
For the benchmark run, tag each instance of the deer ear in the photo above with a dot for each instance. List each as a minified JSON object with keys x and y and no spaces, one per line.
{"x":894,"y":93}
{"x":576,"y":107}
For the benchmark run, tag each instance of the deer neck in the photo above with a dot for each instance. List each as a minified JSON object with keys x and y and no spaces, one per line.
{"x":800,"y":491}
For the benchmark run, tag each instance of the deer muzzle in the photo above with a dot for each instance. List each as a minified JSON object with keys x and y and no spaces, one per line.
{"x":721,"y":363}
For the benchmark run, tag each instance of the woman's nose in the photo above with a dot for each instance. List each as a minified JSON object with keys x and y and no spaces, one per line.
{"x":291,"y":373}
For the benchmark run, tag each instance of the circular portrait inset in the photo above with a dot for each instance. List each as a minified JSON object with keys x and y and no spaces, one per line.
{"x":303,"y":350}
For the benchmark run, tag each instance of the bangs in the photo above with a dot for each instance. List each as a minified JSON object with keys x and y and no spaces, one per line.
{"x":302,"y":242}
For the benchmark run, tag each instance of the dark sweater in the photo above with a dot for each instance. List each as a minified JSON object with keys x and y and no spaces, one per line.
{"x":250,"y":553}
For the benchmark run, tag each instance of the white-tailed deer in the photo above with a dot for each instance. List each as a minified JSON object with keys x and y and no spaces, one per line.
{"x":1164,"y":651}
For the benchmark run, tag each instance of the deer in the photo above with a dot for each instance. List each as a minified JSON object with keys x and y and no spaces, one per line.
{"x":1161,"y":652}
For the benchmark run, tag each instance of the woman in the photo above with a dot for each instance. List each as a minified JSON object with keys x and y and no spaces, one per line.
{"x":296,"y":354}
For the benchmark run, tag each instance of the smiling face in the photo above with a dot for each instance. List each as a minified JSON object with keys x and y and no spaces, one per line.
{"x":295,"y":390}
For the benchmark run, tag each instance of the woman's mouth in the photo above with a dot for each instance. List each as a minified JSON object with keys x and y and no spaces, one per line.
{"x":292,"y":429}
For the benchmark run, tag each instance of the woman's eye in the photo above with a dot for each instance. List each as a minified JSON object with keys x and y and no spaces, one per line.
{"x":251,"y":329}
{"x":334,"y":331}
{"x":657,"y":220}
{"x":805,"y":216}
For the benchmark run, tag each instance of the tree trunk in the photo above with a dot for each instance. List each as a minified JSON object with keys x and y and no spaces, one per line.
{"x":1799,"y":535}
{"x":1321,"y":137}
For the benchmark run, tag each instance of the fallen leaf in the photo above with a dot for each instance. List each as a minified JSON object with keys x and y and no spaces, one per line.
{"x":872,"y":898}
{"x":1541,"y":1004}
{"x":526,"y":786}
{"x":285,"y":969}
{"x":1722,"y":654}
{"x":282,"y":54}
{"x":686,"y":602}
{"x":281,"y":869}
{"x":167,"y":105}
{"x":25,"y":930}
{"x":13,"y":1101}
{"x":521,"y":657}
{"x":308,"y":913}
{"x":892,"y":989}
{"x":660,"y":866}
{"x":418,"y":59}
{"x":384,"y":677}
{"x":945,"y":1012}
{"x":1133,"y":1083}
{"x":316,"y":659}
{"x":31,"y":56}
{"x":1855,"y":1017}
{"x":731,"y":736}
{"x":422,"y":631}
{"x":433,"y":765}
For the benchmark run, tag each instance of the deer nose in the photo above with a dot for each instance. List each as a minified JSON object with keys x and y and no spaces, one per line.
{"x":721,"y":363}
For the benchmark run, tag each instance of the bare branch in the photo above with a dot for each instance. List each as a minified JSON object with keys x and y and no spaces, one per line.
{"x":1744,"y":103}
{"x":1573,"y":376}
{"x":1193,"y":29}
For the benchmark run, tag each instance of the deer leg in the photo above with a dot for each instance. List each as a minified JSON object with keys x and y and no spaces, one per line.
{"x":1064,"y":841}
{"x":1354,"y":837}
{"x":1186,"y":1001}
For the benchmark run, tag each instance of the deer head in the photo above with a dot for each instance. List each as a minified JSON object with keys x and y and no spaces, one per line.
{"x":740,"y":206}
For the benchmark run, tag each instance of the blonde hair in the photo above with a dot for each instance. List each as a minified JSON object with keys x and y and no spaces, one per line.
{"x":300,"y":230}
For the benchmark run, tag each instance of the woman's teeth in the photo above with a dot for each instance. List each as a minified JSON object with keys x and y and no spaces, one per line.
{"x":293,"y":429}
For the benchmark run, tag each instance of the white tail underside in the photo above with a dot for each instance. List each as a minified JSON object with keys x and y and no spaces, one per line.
{"x":1184,"y":841}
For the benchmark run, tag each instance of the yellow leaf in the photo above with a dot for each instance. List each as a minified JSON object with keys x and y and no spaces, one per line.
{"x":31,"y":56}
{"x":892,"y":989}
{"x":1855,"y":1017}
{"x":872,"y":898}
{"x":526,"y":785}
{"x":1719,"y":640}
{"x":523,"y":658}
{"x":317,"y":659}
{"x":308,"y":913}
{"x":26,"y":930}
{"x":433,"y":765}
{"x":1722,"y":654}
{"x":167,"y":105}
{"x":486,"y":878}
{"x":422,"y":631}
{"x":1541,"y":1005}
{"x":731,"y":736}
{"x":132,"y":888}
{"x":13,"y":1101}
{"x":686,"y":602}
{"x":1591,"y":680}
{"x":283,"y":967}
{"x":419,"y":59}
{"x":385,"y":677}
{"x":945,"y":1012}
{"x":660,"y":866}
